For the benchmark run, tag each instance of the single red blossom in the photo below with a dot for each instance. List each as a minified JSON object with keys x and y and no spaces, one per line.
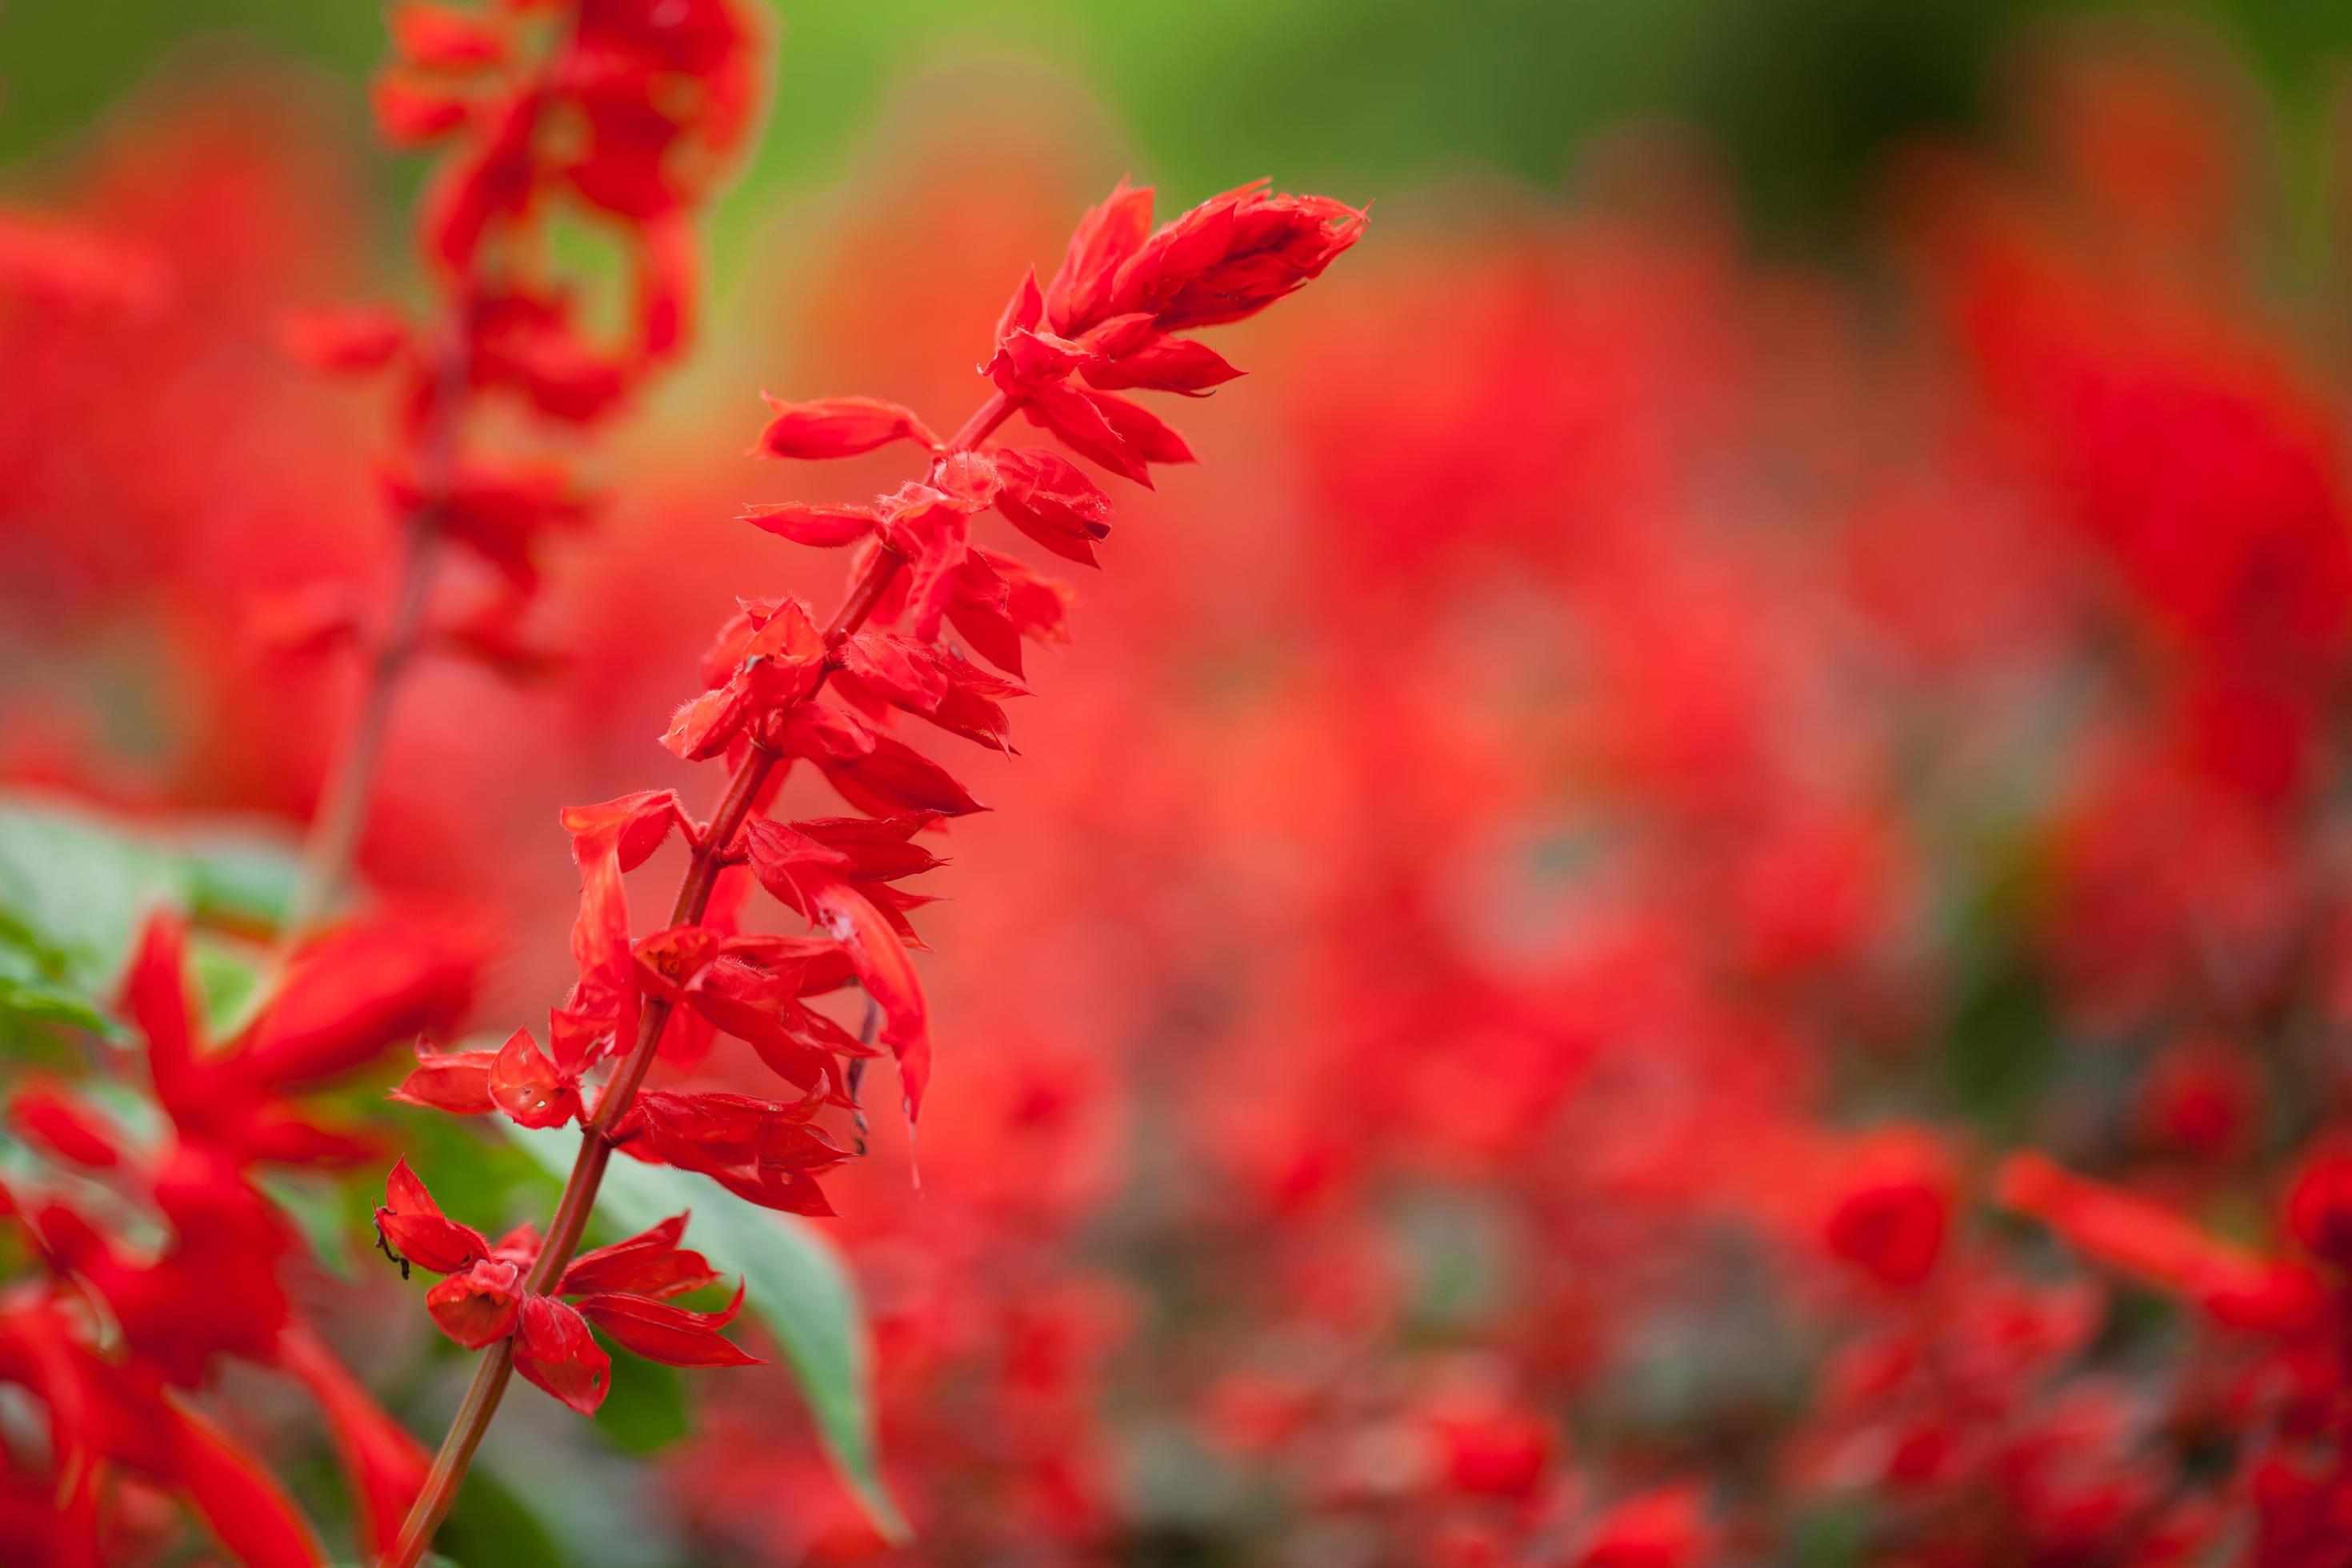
{"x":533,"y":1091}
{"x":624,"y":1288}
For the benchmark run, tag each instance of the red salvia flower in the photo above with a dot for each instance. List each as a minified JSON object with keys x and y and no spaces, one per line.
{"x":623,"y":1289}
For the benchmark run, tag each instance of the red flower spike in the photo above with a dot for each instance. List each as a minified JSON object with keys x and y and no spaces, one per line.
{"x":530,"y":1088}
{"x":838,"y":428}
{"x":455,"y":1081}
{"x":476,"y":1306}
{"x":650,"y":1263}
{"x":554,"y":1350}
{"x":671,"y":1335}
{"x":413,"y":1224}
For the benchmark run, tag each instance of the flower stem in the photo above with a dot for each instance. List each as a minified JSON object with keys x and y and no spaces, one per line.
{"x":333,"y":839}
{"x":332,"y":842}
{"x":579,"y":1201}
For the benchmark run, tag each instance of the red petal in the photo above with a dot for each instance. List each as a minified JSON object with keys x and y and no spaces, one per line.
{"x":650,"y":1263}
{"x":669,"y":960}
{"x":838,"y":428}
{"x":824,"y":527}
{"x":351,"y":994}
{"x":554,"y":1349}
{"x":668,"y":1334}
{"x":386,"y":1466}
{"x":708,"y":725}
{"x":409,"y":113}
{"x":894,"y":779}
{"x":888,"y":976}
{"x":155,"y":995}
{"x":1025,"y":309}
{"x":253,"y":1518}
{"x":455,"y":1081}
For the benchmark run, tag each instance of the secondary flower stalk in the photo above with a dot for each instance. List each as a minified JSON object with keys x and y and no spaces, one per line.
{"x":624,"y":112}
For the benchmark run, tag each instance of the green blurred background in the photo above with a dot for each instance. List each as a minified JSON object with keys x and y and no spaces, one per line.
{"x":1356,"y":96}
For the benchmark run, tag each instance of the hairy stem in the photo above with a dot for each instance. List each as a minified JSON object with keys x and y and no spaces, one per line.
{"x":579,"y":1201}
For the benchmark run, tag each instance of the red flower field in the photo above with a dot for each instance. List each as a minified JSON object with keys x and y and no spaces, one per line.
{"x":1606,"y":894}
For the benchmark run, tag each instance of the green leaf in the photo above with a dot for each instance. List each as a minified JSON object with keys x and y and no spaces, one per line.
{"x":315,"y":1205}
{"x":79,"y":891}
{"x":74,"y":889}
{"x":795,"y":1283}
{"x":239,"y":875}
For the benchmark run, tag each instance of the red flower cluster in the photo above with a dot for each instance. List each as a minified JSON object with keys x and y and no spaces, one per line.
{"x":110,"y":1342}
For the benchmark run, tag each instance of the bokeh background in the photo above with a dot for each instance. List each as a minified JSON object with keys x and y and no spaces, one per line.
{"x":1775,"y":634}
